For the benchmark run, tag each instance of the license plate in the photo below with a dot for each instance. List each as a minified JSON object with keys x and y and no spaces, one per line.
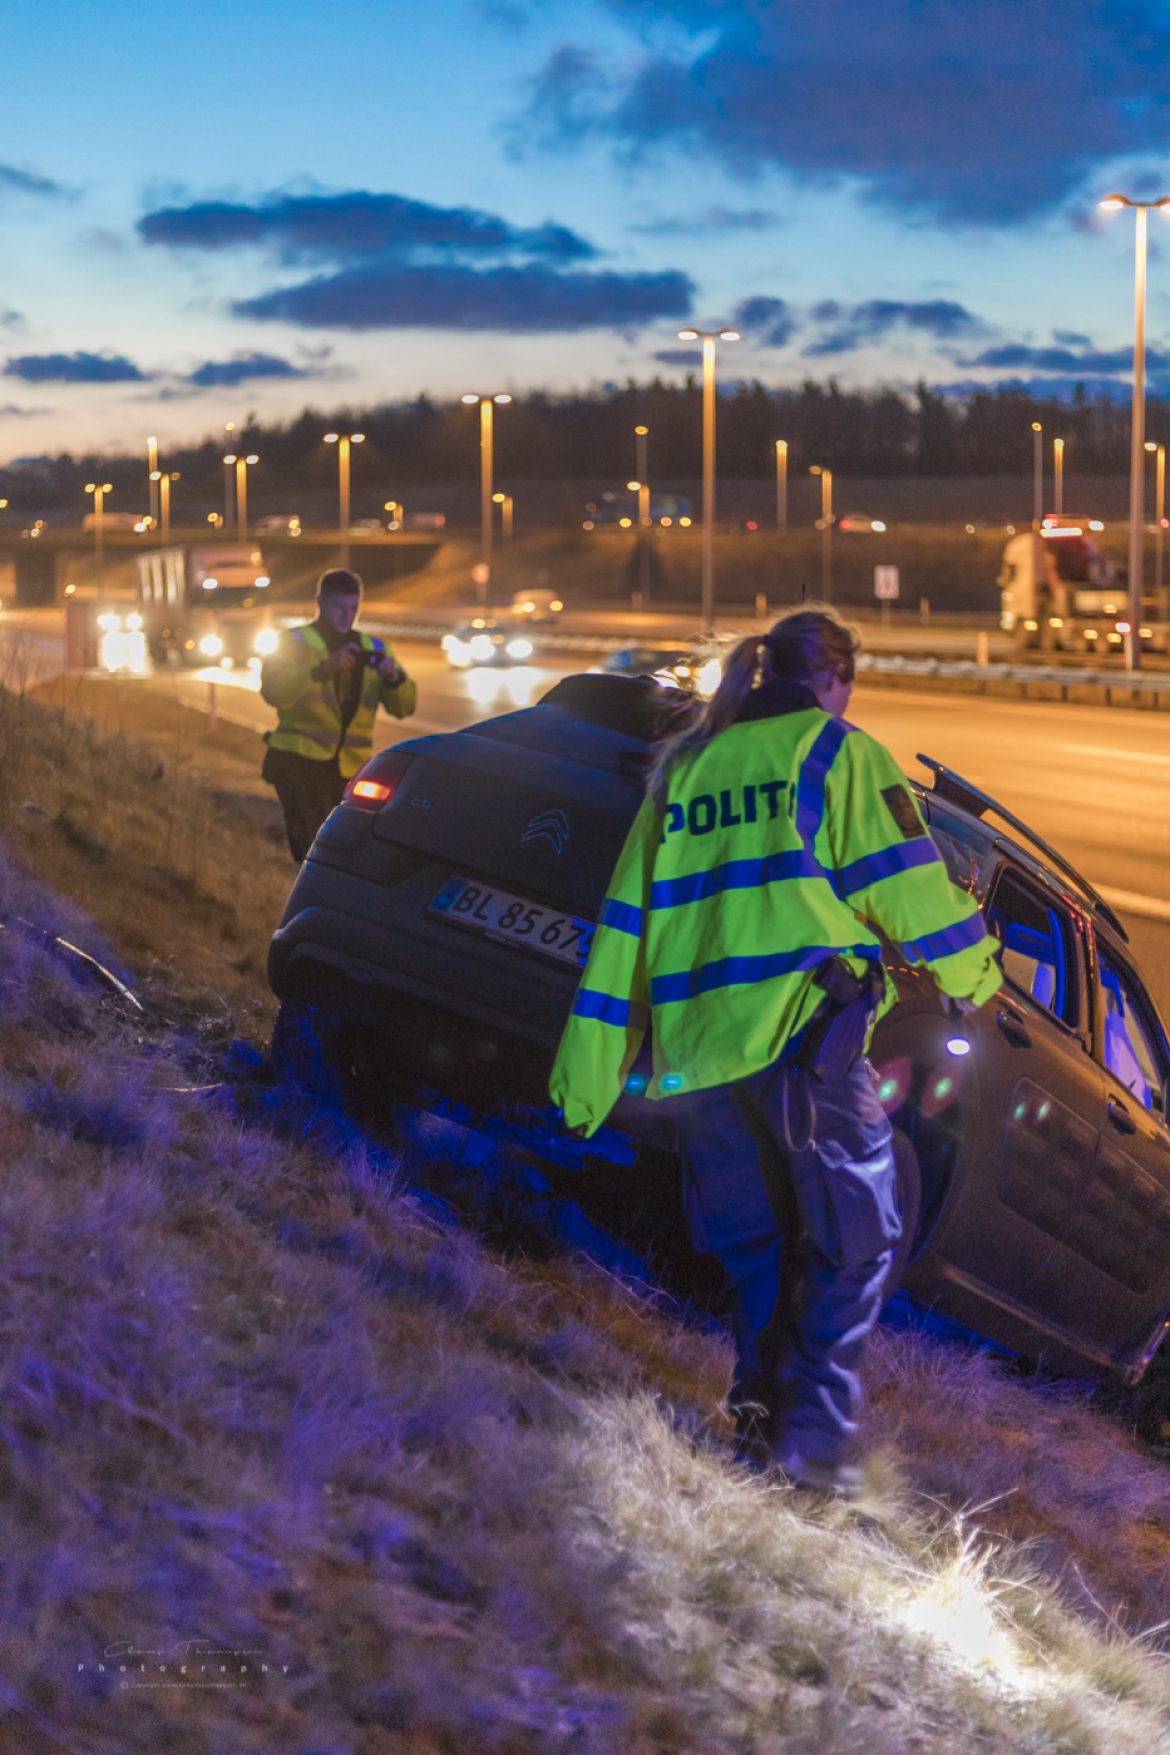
{"x":514,"y":919}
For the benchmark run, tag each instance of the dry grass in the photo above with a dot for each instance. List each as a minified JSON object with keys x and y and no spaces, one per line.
{"x":258,"y":1389}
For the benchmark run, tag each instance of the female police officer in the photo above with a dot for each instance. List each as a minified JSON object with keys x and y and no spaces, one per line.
{"x":738,"y":920}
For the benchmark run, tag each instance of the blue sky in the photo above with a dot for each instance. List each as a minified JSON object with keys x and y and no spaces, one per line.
{"x":207,"y":210}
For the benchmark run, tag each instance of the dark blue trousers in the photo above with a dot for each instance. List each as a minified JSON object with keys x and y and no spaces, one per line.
{"x":804,"y":1234}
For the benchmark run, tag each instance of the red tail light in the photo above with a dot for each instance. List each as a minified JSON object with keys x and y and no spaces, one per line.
{"x":376,"y":783}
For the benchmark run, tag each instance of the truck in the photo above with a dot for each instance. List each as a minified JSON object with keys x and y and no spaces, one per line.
{"x":206,"y":605}
{"x":1058,"y":592}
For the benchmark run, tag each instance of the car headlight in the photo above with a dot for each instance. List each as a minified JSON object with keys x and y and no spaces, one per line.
{"x":266,"y":641}
{"x":481,"y":648}
{"x":519,"y":648}
{"x":134,"y":621}
{"x":211,"y":645}
{"x":709,"y":678}
{"x":109,"y":622}
{"x":211,"y":584}
{"x":262,"y":580}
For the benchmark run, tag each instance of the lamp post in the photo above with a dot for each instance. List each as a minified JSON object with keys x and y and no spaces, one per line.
{"x":483,"y":573}
{"x":343,"y":441}
{"x":152,"y":476}
{"x":1037,"y":475}
{"x":99,"y":490}
{"x":1141,"y":212}
{"x":242,"y":466}
{"x":825,"y":526}
{"x":504,"y":502}
{"x":708,"y":339}
{"x":782,"y":484}
{"x":397,"y":515}
{"x":1159,"y":452}
{"x":229,"y":428}
{"x":642,"y":471}
{"x":1058,"y":475}
{"x":160,"y":481}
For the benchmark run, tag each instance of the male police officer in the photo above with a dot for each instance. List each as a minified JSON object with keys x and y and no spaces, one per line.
{"x":326,"y":681}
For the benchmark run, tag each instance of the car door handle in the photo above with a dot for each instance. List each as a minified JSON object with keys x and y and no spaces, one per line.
{"x":1120,"y":1116}
{"x":1013,"y":1029}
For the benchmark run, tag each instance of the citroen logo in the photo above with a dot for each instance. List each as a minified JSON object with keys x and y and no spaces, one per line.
{"x":550,"y":825}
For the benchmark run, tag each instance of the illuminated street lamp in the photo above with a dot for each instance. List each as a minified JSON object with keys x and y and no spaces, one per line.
{"x":1037,"y":475}
{"x":483,"y":572}
{"x":1058,"y":475}
{"x":229,"y":428}
{"x":708,"y":339}
{"x":825,"y":526}
{"x":504,"y":502}
{"x":343,"y":441}
{"x":242,"y":466}
{"x":642,"y":470}
{"x":1159,"y":452}
{"x":782,"y":484}
{"x":99,"y":490}
{"x":1141,"y":210}
{"x":160,"y":481}
{"x":397,"y":515}
{"x":152,"y":475}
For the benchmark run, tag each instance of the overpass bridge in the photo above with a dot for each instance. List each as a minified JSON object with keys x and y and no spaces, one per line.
{"x":43,"y":566}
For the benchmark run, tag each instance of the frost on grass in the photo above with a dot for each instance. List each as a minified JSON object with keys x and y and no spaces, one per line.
{"x":255,"y":1391}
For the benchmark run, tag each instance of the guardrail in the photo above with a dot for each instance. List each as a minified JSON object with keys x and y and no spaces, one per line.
{"x":1110,"y":688}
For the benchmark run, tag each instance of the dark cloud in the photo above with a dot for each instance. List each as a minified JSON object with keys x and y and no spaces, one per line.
{"x":357,"y":225}
{"x":1058,"y":388}
{"x":1088,"y":360}
{"x":217,"y":373}
{"x":12,"y":320}
{"x":1071,"y":338}
{"x":857,"y":325}
{"x":680,"y":356}
{"x":713,"y":219}
{"x":75,"y":368}
{"x":986,"y":113}
{"x":13,"y":411}
{"x":768,"y":321}
{"x":22,"y":182}
{"x":532,"y":299}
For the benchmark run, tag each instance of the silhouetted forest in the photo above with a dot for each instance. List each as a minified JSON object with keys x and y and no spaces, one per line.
{"x":544,"y":437}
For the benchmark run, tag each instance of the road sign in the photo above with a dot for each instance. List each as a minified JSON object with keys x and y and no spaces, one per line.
{"x":885,"y":584}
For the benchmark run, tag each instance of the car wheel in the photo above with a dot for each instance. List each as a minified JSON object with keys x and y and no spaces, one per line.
{"x":311,"y":1048}
{"x":909,"y":1184}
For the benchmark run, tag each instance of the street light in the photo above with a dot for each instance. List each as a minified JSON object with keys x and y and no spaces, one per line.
{"x":782,"y":484}
{"x":1058,"y":475}
{"x":483,"y":573}
{"x":642,"y":471}
{"x":242,"y":466}
{"x":397,"y":515}
{"x":229,"y":428}
{"x":825,"y":526}
{"x":708,"y":339}
{"x":504,"y":502}
{"x":1037,"y":475}
{"x":99,"y":490}
{"x":343,"y":441}
{"x":1159,"y":452}
{"x":1141,"y":210}
{"x":152,"y":473}
{"x":160,"y":481}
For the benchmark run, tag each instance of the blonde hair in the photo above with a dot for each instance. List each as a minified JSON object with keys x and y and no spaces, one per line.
{"x":799,"y":648}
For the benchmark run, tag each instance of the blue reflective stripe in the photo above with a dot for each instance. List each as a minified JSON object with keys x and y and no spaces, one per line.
{"x":903,"y":856}
{"x":741,"y":971}
{"x":948,"y":939}
{"x":736,"y":874}
{"x":622,"y":917}
{"x":607,"y":1008}
{"x":810,"y":787}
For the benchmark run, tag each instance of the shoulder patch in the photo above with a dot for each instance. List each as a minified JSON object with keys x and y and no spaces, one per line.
{"x":901,"y":807}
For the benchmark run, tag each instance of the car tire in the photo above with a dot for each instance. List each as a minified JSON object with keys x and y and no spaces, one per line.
{"x":909,"y":1186}
{"x":311,"y":1049}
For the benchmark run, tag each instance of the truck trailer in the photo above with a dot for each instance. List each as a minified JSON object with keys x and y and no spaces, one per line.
{"x":206,"y":605}
{"x":1060,"y":593}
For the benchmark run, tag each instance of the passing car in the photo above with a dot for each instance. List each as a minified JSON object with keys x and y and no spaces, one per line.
{"x":485,"y":641}
{"x":367,"y":527}
{"x":673,"y":667}
{"x":537,"y":605}
{"x":860,"y":523}
{"x":279,"y":524}
{"x":438,"y":928}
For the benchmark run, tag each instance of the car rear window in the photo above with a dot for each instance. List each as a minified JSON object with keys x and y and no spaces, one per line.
{"x":1130,"y":1047}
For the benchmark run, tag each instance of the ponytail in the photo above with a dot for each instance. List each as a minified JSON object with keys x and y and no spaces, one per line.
{"x":799,"y":649}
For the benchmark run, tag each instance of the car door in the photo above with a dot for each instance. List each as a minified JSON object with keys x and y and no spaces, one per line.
{"x":1030,"y":1112}
{"x":1111,"y":1274}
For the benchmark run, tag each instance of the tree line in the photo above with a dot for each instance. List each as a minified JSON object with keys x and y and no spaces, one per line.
{"x":590,"y":437}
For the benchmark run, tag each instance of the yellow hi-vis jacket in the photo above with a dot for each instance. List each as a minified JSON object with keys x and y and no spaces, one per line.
{"x":780,"y":839}
{"x":310,"y":714}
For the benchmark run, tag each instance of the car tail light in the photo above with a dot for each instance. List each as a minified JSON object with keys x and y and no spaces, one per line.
{"x":376,"y":783}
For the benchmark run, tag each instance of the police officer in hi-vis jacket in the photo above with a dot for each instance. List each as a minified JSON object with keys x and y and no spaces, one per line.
{"x":740,"y":925}
{"x":326,"y":681}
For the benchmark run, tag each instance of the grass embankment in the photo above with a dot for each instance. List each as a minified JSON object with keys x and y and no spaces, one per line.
{"x":262,"y":1390}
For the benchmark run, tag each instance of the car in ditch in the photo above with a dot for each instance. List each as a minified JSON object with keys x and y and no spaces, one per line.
{"x":437,"y":930}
